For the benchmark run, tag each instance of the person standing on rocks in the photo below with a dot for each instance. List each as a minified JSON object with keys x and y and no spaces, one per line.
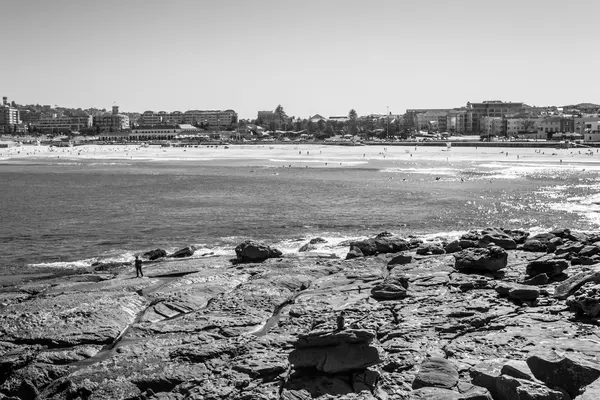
{"x":138,"y":267}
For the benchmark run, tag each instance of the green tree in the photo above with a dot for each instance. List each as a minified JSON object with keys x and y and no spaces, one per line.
{"x":352,"y":122}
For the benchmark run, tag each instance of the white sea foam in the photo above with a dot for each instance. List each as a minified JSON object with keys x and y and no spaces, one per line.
{"x":427,"y":171}
{"x":66,"y":264}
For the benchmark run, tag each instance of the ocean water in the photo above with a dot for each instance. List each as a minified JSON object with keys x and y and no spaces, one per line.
{"x":71,"y":213}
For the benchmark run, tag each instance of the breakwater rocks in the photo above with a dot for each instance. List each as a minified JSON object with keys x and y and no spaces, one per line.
{"x":496,"y":314}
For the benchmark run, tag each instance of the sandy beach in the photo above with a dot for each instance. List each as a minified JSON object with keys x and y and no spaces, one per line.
{"x":302,"y":155}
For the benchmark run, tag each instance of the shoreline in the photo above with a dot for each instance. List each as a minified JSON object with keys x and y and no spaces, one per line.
{"x":311,"y":155}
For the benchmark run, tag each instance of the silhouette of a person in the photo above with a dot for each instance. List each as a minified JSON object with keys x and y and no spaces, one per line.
{"x":138,"y":267}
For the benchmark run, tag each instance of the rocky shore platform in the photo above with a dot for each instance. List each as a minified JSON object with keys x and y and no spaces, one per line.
{"x":498,"y":314}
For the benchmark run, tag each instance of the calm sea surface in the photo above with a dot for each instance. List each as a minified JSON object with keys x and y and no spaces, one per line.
{"x":77,"y":213}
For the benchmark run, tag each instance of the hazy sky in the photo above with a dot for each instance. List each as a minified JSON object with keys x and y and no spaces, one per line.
{"x":323,"y":57}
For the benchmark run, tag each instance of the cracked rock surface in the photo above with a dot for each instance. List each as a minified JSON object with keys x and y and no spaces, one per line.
{"x":389,"y":322}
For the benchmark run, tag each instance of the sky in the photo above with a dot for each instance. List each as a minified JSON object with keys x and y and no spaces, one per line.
{"x":324,"y":57}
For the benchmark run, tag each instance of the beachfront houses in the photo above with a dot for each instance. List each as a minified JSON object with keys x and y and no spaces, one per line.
{"x":10,"y":121}
{"x":209,"y":119}
{"x":111,"y":122}
{"x":153,"y":133}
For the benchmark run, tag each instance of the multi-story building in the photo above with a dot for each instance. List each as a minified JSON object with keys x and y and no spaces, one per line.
{"x":589,"y":127}
{"x":491,"y":108}
{"x":523,"y":127}
{"x":111,"y":122}
{"x":548,"y":126}
{"x":55,"y":123}
{"x":9,"y":117}
{"x":492,"y":126}
{"x":210,"y":118}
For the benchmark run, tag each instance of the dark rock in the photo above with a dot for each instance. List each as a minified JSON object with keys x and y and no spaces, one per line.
{"x":553,"y":244}
{"x":561,"y":232}
{"x":566,"y":372}
{"x":548,"y":265}
{"x":510,"y":388}
{"x":251,"y":251}
{"x":400,"y":259}
{"x":467,"y":244}
{"x":541,"y":279}
{"x":413,"y":243}
{"x":453,"y":247}
{"x":486,"y":374}
{"x":154,"y":254}
{"x":518,"y":292}
{"x":519,"y":236}
{"x":384,"y":234}
{"x":310,"y":246}
{"x":354,"y":252}
{"x":586,"y":300}
{"x":430,"y":249}
{"x":487,"y":259}
{"x":371,"y":247}
{"x":517,"y":369}
{"x":570,"y":285}
{"x":535,"y":246}
{"x":569,"y":248}
{"x":589,"y":251}
{"x":185,"y":252}
{"x":498,"y":237}
{"x":436,"y":372}
{"x":392,"y":288}
{"x":110,"y":266}
{"x":335,"y":352}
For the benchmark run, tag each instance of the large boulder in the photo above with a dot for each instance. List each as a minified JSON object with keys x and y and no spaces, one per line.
{"x":453,"y":247}
{"x":400,"y":259}
{"x":497,"y":237}
{"x":510,"y":388}
{"x":565,"y":372}
{"x":547,"y":265}
{"x":586,"y":300}
{"x":515,"y":291}
{"x":542,"y":242}
{"x":371,"y":247}
{"x":311,"y":245}
{"x":427,"y":249}
{"x":154,"y":254}
{"x":392,"y":288}
{"x":436,"y":372}
{"x":488,"y":259}
{"x":251,"y":251}
{"x":573,"y":283}
{"x":336,"y":352}
{"x":354,"y":252}
{"x":185,"y":252}
{"x":569,"y":247}
{"x":535,"y":246}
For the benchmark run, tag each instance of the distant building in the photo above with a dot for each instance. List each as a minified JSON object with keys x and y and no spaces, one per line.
{"x":589,"y":128}
{"x":316,"y":118}
{"x":111,"y":122}
{"x":54,"y":123}
{"x":211,"y":118}
{"x":492,"y":126}
{"x":10,"y":120}
{"x":492,"y":108}
{"x":548,"y":126}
